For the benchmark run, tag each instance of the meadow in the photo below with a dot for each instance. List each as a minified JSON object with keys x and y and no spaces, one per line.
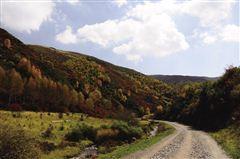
{"x":36,"y":124}
{"x":66,"y":135}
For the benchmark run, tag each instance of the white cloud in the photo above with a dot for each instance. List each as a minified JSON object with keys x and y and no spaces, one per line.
{"x":73,"y":2}
{"x":109,"y":32}
{"x":148,"y":9}
{"x":120,"y":3}
{"x":26,"y":16}
{"x":66,"y":37}
{"x":210,"y":13}
{"x":148,"y":29}
{"x":230,"y":33}
{"x":227,"y":33}
{"x":212,"y":16}
{"x":207,"y":38}
{"x":156,"y":36}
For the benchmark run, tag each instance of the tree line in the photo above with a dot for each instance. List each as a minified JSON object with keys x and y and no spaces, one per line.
{"x":27,"y":88}
{"x":209,"y":105}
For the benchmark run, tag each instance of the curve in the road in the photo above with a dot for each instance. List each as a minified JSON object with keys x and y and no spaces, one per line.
{"x":185,"y":143}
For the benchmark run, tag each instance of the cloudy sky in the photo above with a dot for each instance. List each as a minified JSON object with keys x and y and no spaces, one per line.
{"x":153,"y":37}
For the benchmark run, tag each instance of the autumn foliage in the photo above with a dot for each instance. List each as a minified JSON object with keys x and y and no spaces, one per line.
{"x":36,"y":92}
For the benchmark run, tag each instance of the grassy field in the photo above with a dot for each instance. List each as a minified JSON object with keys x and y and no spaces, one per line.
{"x":37,"y":123}
{"x":229,"y":139}
{"x":141,"y":144}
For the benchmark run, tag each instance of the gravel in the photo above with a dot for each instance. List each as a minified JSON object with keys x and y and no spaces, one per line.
{"x":185,"y":143}
{"x":199,"y":149}
{"x":170,"y":149}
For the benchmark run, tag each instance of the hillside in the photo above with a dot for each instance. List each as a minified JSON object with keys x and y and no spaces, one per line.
{"x":210,"y":106}
{"x":44,"y":79}
{"x":100,"y":88}
{"x":183,"y":79}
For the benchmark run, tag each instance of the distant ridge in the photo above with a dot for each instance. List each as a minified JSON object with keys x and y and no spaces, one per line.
{"x":183,"y":79}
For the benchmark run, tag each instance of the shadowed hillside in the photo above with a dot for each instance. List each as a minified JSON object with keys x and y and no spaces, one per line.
{"x":183,"y":79}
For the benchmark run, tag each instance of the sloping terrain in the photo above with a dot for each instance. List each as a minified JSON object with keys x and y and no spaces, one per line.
{"x":183,"y":79}
{"x":106,"y":88}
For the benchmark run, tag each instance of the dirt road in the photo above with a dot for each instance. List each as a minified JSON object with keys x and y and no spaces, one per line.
{"x":185,"y":143}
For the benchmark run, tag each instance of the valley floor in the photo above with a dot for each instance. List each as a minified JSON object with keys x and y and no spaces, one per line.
{"x":184,"y":143}
{"x":36,"y":123}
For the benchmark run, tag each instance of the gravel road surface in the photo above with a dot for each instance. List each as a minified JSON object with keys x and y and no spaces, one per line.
{"x":185,"y":143}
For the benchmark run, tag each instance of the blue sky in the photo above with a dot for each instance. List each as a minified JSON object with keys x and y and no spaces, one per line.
{"x":154,"y":37}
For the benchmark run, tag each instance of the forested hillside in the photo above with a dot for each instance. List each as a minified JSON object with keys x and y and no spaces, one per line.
{"x":210,"y":106}
{"x":176,"y":79}
{"x":46,"y":79}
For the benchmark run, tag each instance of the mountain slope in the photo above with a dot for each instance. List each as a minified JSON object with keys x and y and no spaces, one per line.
{"x":183,"y":79}
{"x":117,"y":88}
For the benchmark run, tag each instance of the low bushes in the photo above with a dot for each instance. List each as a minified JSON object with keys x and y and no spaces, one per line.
{"x":119,"y":131}
{"x":106,"y":134}
{"x":47,"y":146}
{"x":49,"y":132}
{"x":15,"y":143}
{"x":127,"y":132}
{"x":82,"y":132}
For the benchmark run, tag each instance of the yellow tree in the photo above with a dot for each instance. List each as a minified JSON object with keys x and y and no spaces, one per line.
{"x":25,"y":65}
{"x":74,"y":97}
{"x":7,"y":43}
{"x":159,"y":109}
{"x":15,"y":84}
{"x":96,"y":95}
{"x":31,"y":90}
{"x":90,"y":103}
{"x":80,"y":98}
{"x":65,"y":96}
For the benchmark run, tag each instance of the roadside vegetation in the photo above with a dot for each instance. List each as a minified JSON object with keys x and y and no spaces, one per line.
{"x":145,"y":142}
{"x":229,"y":138}
{"x":211,"y":106}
